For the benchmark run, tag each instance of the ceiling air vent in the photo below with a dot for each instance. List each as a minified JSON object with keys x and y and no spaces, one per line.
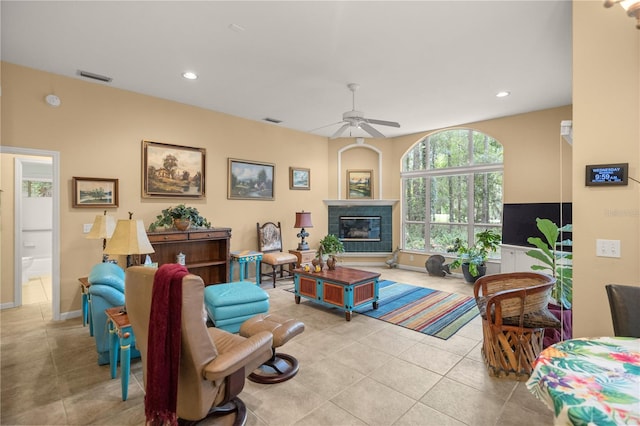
{"x":93,"y":76}
{"x":272,"y":120}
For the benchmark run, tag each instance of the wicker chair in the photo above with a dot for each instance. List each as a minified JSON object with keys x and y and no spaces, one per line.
{"x":514,"y":314}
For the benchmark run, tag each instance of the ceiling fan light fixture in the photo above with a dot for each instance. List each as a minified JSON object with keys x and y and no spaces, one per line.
{"x":357,"y":119}
{"x":632,"y":7}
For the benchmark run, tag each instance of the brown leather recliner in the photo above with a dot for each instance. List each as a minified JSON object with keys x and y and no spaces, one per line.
{"x":213,"y":362}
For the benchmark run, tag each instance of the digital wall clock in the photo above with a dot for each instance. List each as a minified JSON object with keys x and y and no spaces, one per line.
{"x":607,"y":174}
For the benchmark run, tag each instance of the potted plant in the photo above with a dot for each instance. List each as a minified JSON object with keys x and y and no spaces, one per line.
{"x":471,"y":258}
{"x":180,"y":217}
{"x":557,"y":263}
{"x":330,"y":245}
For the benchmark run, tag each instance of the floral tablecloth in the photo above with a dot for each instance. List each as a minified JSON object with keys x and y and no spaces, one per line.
{"x":590,"y":381}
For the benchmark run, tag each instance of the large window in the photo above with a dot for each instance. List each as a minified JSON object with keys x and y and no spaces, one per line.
{"x":452,"y":188}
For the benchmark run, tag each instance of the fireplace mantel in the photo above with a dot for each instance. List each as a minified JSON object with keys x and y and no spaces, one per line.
{"x":360,"y":202}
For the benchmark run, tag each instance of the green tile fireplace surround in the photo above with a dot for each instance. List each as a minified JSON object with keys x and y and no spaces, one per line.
{"x":365,"y":209}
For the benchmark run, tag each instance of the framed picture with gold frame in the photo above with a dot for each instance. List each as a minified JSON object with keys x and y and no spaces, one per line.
{"x":360,"y":184}
{"x":250,"y":180}
{"x":299,"y":178}
{"x":170,"y":171}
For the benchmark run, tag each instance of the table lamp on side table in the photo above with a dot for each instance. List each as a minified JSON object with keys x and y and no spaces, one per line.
{"x":129,"y":238}
{"x":102,"y":228}
{"x":303,"y":220}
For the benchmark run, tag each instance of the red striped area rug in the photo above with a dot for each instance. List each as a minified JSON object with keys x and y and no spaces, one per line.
{"x":433,"y":312}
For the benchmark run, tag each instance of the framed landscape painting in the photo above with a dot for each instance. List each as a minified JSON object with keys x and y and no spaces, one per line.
{"x":299,"y":178}
{"x":94,"y":192}
{"x":250,"y":180}
{"x":360,"y":184}
{"x":172,"y":171}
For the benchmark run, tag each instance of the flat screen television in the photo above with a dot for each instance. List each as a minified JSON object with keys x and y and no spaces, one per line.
{"x":519,"y":221}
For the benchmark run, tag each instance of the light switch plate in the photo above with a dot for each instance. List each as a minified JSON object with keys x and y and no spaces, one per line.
{"x":607,"y":248}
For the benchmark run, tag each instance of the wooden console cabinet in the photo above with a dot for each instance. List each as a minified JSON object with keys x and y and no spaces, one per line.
{"x":206,"y":251}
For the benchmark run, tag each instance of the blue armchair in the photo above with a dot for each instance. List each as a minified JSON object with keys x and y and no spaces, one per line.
{"x":106,"y":291}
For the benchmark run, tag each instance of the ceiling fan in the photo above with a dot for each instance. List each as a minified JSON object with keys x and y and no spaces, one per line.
{"x":355,"y":118}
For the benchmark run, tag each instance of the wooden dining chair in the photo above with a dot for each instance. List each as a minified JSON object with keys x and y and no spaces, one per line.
{"x":270,"y":244}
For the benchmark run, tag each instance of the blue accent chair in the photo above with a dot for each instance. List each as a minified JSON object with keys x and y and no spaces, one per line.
{"x":106,"y":291}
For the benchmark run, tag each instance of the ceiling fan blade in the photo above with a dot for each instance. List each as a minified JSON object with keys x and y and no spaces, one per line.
{"x":382,"y":122}
{"x":338,"y":132}
{"x":373,"y":132}
{"x":323,"y":127}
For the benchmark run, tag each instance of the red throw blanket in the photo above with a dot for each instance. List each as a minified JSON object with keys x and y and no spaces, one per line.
{"x":163,"y":352}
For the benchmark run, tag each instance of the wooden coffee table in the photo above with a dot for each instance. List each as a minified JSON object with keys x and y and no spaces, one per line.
{"x":342,"y":288}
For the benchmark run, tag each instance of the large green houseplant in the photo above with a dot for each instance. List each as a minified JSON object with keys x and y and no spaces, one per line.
{"x":471,"y":258}
{"x":172,"y":215}
{"x":557,"y":263}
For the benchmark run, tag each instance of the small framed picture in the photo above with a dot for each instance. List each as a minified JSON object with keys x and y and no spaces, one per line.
{"x":172,"y":171}
{"x":299,"y":178}
{"x":360,"y":184}
{"x":250,"y":180}
{"x":94,"y":192}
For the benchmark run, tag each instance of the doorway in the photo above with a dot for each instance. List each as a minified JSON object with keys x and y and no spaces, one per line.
{"x":34,"y":217}
{"x":36,"y":236}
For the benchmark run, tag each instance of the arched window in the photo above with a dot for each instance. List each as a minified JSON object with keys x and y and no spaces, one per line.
{"x":451,"y":188}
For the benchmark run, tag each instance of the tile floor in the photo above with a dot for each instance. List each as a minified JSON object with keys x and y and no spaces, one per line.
{"x":363,"y":372}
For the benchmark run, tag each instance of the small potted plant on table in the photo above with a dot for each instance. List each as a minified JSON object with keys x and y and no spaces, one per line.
{"x":180,"y":217}
{"x":331,"y":245}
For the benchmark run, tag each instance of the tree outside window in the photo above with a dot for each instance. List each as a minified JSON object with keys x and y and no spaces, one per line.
{"x":452,"y":189}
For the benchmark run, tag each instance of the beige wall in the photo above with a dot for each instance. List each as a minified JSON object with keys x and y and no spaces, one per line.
{"x":98,"y":131}
{"x":606,"y":93}
{"x":6,"y":227}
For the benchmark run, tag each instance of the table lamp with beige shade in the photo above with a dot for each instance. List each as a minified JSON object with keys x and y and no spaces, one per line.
{"x":129,"y":238}
{"x":102,"y":229}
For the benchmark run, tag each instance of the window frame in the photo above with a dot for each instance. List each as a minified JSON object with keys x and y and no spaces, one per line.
{"x":468,"y":171}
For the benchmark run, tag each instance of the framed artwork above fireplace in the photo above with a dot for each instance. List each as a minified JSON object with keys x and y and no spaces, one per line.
{"x":360,"y":184}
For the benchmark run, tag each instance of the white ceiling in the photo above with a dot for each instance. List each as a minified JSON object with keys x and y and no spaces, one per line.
{"x":424,"y":64}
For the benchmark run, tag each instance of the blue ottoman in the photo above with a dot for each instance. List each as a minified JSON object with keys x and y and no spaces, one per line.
{"x":229,"y":305}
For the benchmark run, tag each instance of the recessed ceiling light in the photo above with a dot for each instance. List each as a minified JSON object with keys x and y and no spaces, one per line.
{"x":237,"y":28}
{"x":190,"y":75}
{"x":502,"y":94}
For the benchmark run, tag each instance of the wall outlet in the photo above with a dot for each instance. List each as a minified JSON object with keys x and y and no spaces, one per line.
{"x":86,"y":228}
{"x":607,"y":248}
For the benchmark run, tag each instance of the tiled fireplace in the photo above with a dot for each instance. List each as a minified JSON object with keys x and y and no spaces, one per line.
{"x":362,"y":227}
